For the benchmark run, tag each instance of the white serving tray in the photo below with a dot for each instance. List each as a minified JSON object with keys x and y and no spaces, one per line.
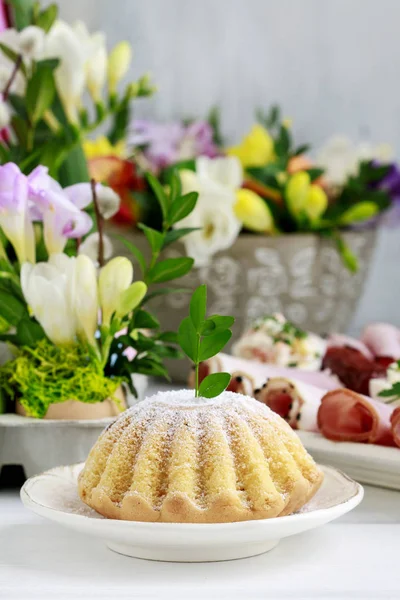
{"x":367,"y":463}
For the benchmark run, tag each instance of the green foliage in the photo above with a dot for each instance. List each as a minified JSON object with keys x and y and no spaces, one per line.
{"x":14,"y":310}
{"x":201,"y":338}
{"x":48,"y":374}
{"x":393,"y":393}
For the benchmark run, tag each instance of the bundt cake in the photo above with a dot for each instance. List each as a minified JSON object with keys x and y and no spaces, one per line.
{"x":177,"y":458}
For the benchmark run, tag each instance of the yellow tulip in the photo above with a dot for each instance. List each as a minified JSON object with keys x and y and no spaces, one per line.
{"x":256,"y":148}
{"x":114,"y":278}
{"x":297,"y":189}
{"x":253,"y":211}
{"x":118,"y":64}
{"x":102,"y":146}
{"x":316,"y":203}
{"x":304,"y":198}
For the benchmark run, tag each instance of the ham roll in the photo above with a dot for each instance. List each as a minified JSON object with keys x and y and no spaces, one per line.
{"x":350,"y":417}
{"x":248,"y":375}
{"x":395,"y":422}
{"x":294,"y":401}
{"x":383,"y":340}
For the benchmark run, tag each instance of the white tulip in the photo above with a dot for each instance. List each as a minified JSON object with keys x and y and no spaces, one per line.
{"x":63,"y":43}
{"x":96,"y":58}
{"x":90,"y":247}
{"x":85,"y":297}
{"x":340,"y":157}
{"x":114,"y":279}
{"x":226,"y":170}
{"x":47,"y":290}
{"x":213,"y":214}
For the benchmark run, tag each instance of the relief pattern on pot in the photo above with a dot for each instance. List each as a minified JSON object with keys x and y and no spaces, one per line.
{"x":308,"y":283}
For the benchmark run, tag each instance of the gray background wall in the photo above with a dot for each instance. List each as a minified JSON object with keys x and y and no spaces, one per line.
{"x":333,"y":65}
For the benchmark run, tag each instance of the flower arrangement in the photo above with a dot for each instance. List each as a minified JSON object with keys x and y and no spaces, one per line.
{"x":59,"y":84}
{"x":77,"y":327}
{"x":265,"y":184}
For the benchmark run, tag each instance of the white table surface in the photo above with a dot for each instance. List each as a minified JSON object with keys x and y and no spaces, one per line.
{"x":357,"y":556}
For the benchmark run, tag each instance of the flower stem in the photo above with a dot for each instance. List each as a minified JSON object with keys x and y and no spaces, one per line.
{"x":99,"y":221}
{"x":13,"y":75}
{"x":197,"y":367}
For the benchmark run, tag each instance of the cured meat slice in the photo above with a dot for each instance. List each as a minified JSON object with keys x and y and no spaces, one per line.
{"x":383,"y":340}
{"x":352,"y":368}
{"x":345,"y":415}
{"x":295,"y":401}
{"x":395,"y":422}
{"x":255,"y":374}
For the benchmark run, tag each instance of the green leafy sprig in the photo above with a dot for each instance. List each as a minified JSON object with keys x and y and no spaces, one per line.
{"x":152,"y":348}
{"x":201,"y":338}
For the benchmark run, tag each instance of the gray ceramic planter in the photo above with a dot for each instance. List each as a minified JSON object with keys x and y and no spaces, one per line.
{"x":299,"y":275}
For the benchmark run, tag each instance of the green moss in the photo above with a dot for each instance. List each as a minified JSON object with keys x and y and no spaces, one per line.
{"x":47,"y":374}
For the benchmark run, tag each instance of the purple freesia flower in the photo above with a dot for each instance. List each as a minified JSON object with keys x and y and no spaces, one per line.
{"x":167,"y":143}
{"x":390,"y":183}
{"x":15,"y":219}
{"x":59,"y":209}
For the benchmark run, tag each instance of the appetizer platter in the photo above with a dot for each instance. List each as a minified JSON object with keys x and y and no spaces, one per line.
{"x":340,"y":394}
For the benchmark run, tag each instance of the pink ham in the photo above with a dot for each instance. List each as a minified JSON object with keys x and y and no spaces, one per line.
{"x":350,"y":417}
{"x":336,"y":340}
{"x":382,"y":339}
{"x":395,"y":422}
{"x":295,"y":401}
{"x":254,"y":374}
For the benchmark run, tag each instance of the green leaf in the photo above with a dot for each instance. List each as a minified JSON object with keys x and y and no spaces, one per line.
{"x":145,"y":320}
{"x":394,"y":391}
{"x":135,"y":251}
{"x":18,"y":104}
{"x":159,"y":193}
{"x":40,"y":93}
{"x":148,"y":366}
{"x":208,"y":327}
{"x":46,"y":17}
{"x":187,"y":338}
{"x":168,"y":336}
{"x":13,"y":56}
{"x":347,"y":256}
{"x":19,"y":126}
{"x":314,"y":173}
{"x":282,"y":144}
{"x":11,"y":308}
{"x":176,"y":234}
{"x":301,"y":149}
{"x":154,"y":237}
{"x":214,"y":384}
{"x":175,"y":185}
{"x":48,"y":63}
{"x":22,"y":12}
{"x":164,"y":291}
{"x":212,"y":344}
{"x":29,"y":332}
{"x":221,"y":322}
{"x":182,"y":207}
{"x":359,"y":212}
{"x":170,"y":268}
{"x":198,"y":307}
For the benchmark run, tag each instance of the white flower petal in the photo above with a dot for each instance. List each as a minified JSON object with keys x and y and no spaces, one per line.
{"x":90,"y":247}
{"x":226,"y":170}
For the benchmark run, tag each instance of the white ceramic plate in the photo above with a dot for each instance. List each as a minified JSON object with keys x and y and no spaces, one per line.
{"x":368,"y":463}
{"x":54,"y":495}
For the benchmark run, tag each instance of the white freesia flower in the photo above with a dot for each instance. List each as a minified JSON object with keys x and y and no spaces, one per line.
{"x":48,"y":291}
{"x":118,"y":64}
{"x":10,"y":38}
{"x":31,"y":42}
{"x":5,"y":114}
{"x":213,"y":214}
{"x":85,"y":297}
{"x":340,"y":157}
{"x":226,"y":170}
{"x":114,"y":279}
{"x":90,"y":247}
{"x":81,"y":196}
{"x":62,"y":42}
{"x":94,"y":46}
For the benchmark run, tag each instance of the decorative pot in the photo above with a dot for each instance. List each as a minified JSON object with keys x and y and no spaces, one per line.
{"x":299,"y":275}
